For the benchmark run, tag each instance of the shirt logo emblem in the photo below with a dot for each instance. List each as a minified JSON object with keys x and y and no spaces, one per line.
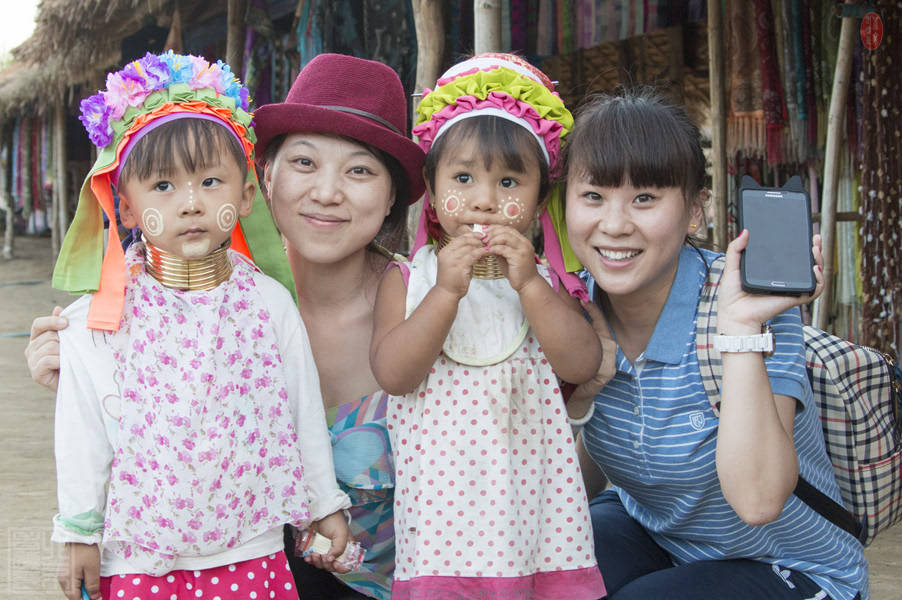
{"x":697,"y":420}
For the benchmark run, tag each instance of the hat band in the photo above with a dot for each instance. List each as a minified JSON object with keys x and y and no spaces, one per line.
{"x":363,"y":113}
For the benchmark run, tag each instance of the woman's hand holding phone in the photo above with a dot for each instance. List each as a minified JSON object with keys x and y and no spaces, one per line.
{"x":742,"y":313}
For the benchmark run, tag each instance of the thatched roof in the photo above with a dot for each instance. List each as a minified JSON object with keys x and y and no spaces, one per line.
{"x":77,"y":42}
{"x":85,"y":34}
{"x":17,"y":88}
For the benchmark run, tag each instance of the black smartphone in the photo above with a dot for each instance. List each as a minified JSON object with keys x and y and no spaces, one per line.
{"x":778,"y":258}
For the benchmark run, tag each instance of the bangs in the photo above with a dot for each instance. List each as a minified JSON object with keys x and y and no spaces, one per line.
{"x":494,"y":138}
{"x":642,"y":143}
{"x":192,"y":144}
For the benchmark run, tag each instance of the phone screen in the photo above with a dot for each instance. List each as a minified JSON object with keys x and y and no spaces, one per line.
{"x":778,"y":257}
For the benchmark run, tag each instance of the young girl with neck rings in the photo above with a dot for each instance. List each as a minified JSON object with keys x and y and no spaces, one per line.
{"x":189,"y":421}
{"x":702,"y":504}
{"x":470,"y":337}
{"x":339,"y":174}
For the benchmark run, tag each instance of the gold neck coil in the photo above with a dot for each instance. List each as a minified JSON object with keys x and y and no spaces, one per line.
{"x":188,"y":274}
{"x":488,"y":267}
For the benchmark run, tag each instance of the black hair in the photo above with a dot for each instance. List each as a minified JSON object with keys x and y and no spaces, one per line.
{"x":193,"y":143}
{"x":392,"y":235}
{"x":636,"y":137}
{"x":494,"y":137}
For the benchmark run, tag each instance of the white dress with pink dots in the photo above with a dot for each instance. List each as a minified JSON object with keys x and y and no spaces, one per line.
{"x":489,"y":499}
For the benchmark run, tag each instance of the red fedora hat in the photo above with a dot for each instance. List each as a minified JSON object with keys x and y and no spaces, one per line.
{"x":356,"y":98}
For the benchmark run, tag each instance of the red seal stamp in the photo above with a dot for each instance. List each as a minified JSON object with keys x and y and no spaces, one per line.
{"x":871,"y":30}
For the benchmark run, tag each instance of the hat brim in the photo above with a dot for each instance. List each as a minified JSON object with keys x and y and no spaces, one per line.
{"x":272,"y":120}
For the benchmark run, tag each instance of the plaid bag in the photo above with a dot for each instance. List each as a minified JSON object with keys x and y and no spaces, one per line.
{"x":858,"y":391}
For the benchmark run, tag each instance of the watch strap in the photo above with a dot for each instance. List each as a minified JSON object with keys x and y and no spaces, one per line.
{"x":762,"y":342}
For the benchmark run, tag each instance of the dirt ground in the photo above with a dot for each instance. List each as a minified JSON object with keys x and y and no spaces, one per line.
{"x":27,"y":477}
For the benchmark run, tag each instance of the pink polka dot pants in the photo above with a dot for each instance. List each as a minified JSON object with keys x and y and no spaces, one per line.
{"x":264,"y":578}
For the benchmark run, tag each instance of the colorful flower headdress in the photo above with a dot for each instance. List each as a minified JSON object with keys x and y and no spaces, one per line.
{"x":145,"y":93}
{"x":506,"y":86}
{"x":131,"y":87}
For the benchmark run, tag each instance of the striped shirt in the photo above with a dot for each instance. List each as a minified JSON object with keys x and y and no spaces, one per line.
{"x":654,"y":435}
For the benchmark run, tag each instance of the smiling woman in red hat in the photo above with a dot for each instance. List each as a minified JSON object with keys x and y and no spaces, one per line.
{"x":339,"y":173}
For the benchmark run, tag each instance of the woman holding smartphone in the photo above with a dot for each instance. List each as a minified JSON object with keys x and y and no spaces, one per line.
{"x":702,"y":505}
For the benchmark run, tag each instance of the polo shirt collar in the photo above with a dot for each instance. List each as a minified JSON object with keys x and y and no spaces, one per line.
{"x":668,"y":341}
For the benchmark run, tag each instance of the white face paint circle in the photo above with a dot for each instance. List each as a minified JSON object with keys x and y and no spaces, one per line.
{"x":152,"y":222}
{"x":513,"y":210}
{"x":452,"y":204}
{"x":226,"y":217}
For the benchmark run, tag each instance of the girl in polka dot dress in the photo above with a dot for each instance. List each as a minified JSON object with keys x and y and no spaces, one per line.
{"x":470,"y":337}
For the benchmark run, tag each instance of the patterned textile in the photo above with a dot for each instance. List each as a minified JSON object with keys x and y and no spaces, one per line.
{"x":771,"y":90}
{"x":490,"y":475}
{"x":309,"y":34}
{"x":518,"y":11}
{"x":881,"y":185}
{"x":808,"y":65}
{"x":859,"y":396}
{"x":389,"y":36}
{"x":381,"y":30}
{"x":216,"y":418}
{"x":363,"y":467}
{"x":258,"y":47}
{"x":26,"y":148}
{"x":264,"y":577}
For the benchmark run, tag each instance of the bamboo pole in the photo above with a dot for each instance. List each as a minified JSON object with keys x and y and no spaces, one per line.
{"x":486,"y":26}
{"x":835,"y":123}
{"x":427,"y":18}
{"x":430,"y":28}
{"x":718,"y":124}
{"x":235,"y":36}
{"x":60,"y":188}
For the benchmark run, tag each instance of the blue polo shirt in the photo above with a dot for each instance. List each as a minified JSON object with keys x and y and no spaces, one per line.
{"x":654,"y":434}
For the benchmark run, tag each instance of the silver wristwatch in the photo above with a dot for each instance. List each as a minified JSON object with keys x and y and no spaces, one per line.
{"x":762,"y":342}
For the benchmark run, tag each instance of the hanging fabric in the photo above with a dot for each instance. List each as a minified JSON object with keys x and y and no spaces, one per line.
{"x":258,"y":47}
{"x":26,"y":148}
{"x":389,"y":36}
{"x":772,"y":92}
{"x":518,"y":11}
{"x":881,"y":184}
{"x":745,"y":102}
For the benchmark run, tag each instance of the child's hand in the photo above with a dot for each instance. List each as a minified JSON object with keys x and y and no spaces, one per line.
{"x":519,"y":264}
{"x":334,"y":527}
{"x":741,"y":313}
{"x":455,"y":263}
{"x":80,"y":563}
{"x":582,"y":398}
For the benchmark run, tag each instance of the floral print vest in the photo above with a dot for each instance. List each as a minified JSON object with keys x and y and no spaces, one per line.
{"x":207,"y":455}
